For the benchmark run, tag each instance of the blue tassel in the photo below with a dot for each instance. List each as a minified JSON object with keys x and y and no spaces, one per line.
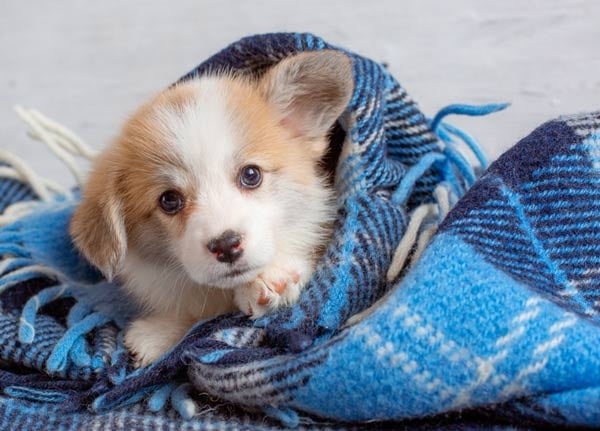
{"x":77,"y":313}
{"x":78,"y":353}
{"x":444,"y":130}
{"x":58,"y":359}
{"x":13,"y":264}
{"x":402,"y":193}
{"x":470,"y":110}
{"x":159,"y":399}
{"x":27,"y":320}
{"x":462,"y":164}
{"x":182,"y":402}
{"x":470,"y":141}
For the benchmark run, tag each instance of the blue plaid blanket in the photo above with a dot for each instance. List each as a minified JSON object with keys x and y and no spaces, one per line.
{"x":496,"y":322}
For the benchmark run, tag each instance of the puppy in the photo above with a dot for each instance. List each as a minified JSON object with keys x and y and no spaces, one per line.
{"x":212,"y":199}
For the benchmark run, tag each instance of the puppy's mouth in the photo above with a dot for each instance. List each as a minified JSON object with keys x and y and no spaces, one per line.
{"x":237,"y":276}
{"x":238,"y":272}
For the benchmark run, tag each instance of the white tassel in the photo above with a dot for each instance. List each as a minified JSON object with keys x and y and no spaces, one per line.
{"x":65,"y":145}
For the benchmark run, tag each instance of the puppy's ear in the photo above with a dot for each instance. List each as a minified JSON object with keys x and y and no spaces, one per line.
{"x":97,"y":226}
{"x":310,"y":91}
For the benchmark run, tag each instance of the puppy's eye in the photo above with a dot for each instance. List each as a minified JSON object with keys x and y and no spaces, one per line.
{"x":250,"y":177}
{"x":171,"y":202}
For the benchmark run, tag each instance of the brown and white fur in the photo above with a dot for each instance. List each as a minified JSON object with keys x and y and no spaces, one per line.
{"x":194,"y":140}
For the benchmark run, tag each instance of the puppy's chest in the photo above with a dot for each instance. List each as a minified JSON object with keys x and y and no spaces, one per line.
{"x":170,"y":292}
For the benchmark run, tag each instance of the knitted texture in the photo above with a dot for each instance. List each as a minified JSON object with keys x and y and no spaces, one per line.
{"x":419,"y":351}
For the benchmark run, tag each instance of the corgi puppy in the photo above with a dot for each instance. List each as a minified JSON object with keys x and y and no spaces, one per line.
{"x":212,"y":199}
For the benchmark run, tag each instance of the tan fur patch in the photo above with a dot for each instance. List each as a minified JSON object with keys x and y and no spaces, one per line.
{"x":126,"y":176}
{"x":266,"y":139}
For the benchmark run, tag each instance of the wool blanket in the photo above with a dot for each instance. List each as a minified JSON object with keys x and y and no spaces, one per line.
{"x":495,"y":322}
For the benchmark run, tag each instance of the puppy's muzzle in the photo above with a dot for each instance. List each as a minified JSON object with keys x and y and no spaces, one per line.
{"x":227,"y":247}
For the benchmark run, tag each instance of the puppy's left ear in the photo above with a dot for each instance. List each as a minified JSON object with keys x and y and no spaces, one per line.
{"x":97,"y":226}
{"x":310,"y":90}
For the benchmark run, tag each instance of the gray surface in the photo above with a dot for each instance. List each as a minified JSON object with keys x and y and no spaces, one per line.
{"x":87,"y":64}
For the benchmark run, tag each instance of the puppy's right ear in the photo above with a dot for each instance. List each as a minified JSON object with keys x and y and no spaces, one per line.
{"x":97,"y":226}
{"x":310,"y":90}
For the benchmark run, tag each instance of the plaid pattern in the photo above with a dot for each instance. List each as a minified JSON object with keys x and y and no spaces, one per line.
{"x":540,"y":223}
{"x":491,"y":319}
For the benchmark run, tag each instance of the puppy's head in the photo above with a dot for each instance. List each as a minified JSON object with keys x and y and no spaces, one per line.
{"x":219,"y":175}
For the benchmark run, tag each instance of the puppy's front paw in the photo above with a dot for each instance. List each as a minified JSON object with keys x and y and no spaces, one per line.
{"x":272,"y":289}
{"x":148,"y":338}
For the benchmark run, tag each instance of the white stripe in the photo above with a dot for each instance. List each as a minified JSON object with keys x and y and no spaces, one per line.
{"x":578,"y":283}
{"x":592,"y":271}
{"x":485,"y":369}
{"x":412,"y":129}
{"x":548,"y":345}
{"x":528,"y":315}
{"x":5,"y":263}
{"x":532,"y":369}
{"x":517,"y":386}
{"x":510,"y":336}
{"x":571,"y":291}
{"x":400,"y":359}
{"x":585,"y":121}
{"x":532,"y":301}
{"x":570,"y":321}
{"x":35,"y":268}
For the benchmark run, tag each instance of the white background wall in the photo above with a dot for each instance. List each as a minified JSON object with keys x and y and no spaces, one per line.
{"x":89,"y":63}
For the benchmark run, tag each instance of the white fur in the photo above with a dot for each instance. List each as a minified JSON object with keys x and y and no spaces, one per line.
{"x":204,"y":137}
{"x":279,"y":234}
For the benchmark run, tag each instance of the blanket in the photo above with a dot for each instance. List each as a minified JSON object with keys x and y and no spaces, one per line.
{"x":494,"y":322}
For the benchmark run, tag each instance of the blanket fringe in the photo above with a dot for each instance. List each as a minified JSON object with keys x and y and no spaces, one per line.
{"x":61,"y":141}
{"x":18,"y":267}
{"x":425,"y":219}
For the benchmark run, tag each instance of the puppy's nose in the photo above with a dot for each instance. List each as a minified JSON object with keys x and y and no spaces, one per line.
{"x":227,"y":246}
